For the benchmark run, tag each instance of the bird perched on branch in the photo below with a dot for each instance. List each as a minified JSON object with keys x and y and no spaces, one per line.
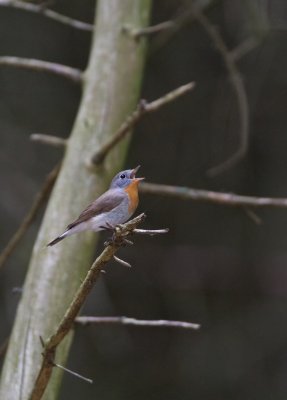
{"x":113,"y":207}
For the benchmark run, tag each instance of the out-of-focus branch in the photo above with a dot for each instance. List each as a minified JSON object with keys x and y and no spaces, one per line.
{"x":151,"y":232}
{"x":149,"y":30}
{"x":39,"y":9}
{"x":68,"y":319}
{"x":39,"y":200}
{"x":48,"y":139}
{"x":253,"y":216}
{"x":239,"y":90}
{"x":72,"y":74}
{"x":243,"y":48}
{"x":142,"y":109}
{"x":170,"y":28}
{"x":225,"y":199}
{"x":86,"y":320}
{"x":229,"y":56}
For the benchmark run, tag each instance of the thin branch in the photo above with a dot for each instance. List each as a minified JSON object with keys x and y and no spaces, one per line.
{"x":17,"y":290}
{"x":64,"y":71}
{"x":224,"y":199}
{"x":229,"y":57}
{"x":239,"y":90}
{"x":83,"y":320}
{"x":122,"y":262}
{"x":172,"y":27}
{"x":150,"y":30}
{"x":73,"y":373}
{"x":243,"y":48}
{"x":39,"y":200}
{"x":39,"y":9}
{"x":151,"y":232}
{"x":253,"y":216}
{"x":49,"y":140}
{"x":68,"y":319}
{"x":142,"y":109}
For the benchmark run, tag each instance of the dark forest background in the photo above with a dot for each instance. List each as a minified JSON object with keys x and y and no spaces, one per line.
{"x":217,"y":266}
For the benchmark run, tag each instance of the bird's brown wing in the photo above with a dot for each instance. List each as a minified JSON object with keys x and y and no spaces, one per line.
{"x":106,"y":202}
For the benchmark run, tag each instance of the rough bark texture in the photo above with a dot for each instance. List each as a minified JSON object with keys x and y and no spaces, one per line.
{"x":111,"y":86}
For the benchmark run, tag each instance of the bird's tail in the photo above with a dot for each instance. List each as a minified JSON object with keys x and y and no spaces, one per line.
{"x":58,"y":239}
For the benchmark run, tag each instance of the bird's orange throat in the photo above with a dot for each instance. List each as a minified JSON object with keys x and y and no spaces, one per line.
{"x":132,"y":191}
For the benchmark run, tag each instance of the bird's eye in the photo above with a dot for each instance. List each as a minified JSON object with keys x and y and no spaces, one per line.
{"x":122,"y":176}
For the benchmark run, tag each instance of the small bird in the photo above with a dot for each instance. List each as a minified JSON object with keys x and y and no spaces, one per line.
{"x":113,"y":207}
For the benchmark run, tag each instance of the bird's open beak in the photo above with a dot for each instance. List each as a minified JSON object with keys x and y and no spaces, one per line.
{"x":133,"y":174}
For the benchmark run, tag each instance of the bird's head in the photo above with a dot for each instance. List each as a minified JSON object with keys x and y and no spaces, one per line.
{"x":124,"y":178}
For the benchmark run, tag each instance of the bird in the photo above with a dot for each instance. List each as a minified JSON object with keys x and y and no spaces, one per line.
{"x":113,"y":207}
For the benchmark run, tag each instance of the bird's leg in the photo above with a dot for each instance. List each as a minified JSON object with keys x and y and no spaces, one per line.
{"x":108,"y":227}
{"x":118,"y":229}
{"x":111,"y":228}
{"x":116,"y":235}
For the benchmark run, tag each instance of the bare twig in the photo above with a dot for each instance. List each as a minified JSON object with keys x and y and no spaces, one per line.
{"x":40,"y":198}
{"x":64,"y":71}
{"x":239,"y":90}
{"x":73,"y":373}
{"x":17,"y":290}
{"x":253,"y":216}
{"x":142,"y":109}
{"x":122,"y":262}
{"x":39,"y":9}
{"x":68,"y":319}
{"x":151,"y":232}
{"x":243,"y":48}
{"x":225,"y":199}
{"x":48,"y":139}
{"x":83,"y":320}
{"x":150,"y":30}
{"x":180,"y":20}
{"x":229,"y":57}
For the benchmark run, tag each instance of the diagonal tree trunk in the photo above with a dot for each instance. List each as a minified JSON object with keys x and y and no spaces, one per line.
{"x":111,"y":87}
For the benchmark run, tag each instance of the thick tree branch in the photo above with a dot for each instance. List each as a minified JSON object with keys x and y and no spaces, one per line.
{"x":63,"y":71}
{"x":39,"y":200}
{"x":49,"y":284}
{"x":87,"y":320}
{"x":39,"y":9}
{"x":142,"y":109}
{"x":224,"y":199}
{"x":68,"y":319}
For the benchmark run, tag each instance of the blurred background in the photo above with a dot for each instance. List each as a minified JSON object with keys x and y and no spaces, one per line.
{"x":217,"y":266}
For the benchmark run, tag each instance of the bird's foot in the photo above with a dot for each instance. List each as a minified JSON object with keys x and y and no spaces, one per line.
{"x":116,"y":236}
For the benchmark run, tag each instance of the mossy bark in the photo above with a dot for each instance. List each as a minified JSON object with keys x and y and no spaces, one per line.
{"x":111,"y":87}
